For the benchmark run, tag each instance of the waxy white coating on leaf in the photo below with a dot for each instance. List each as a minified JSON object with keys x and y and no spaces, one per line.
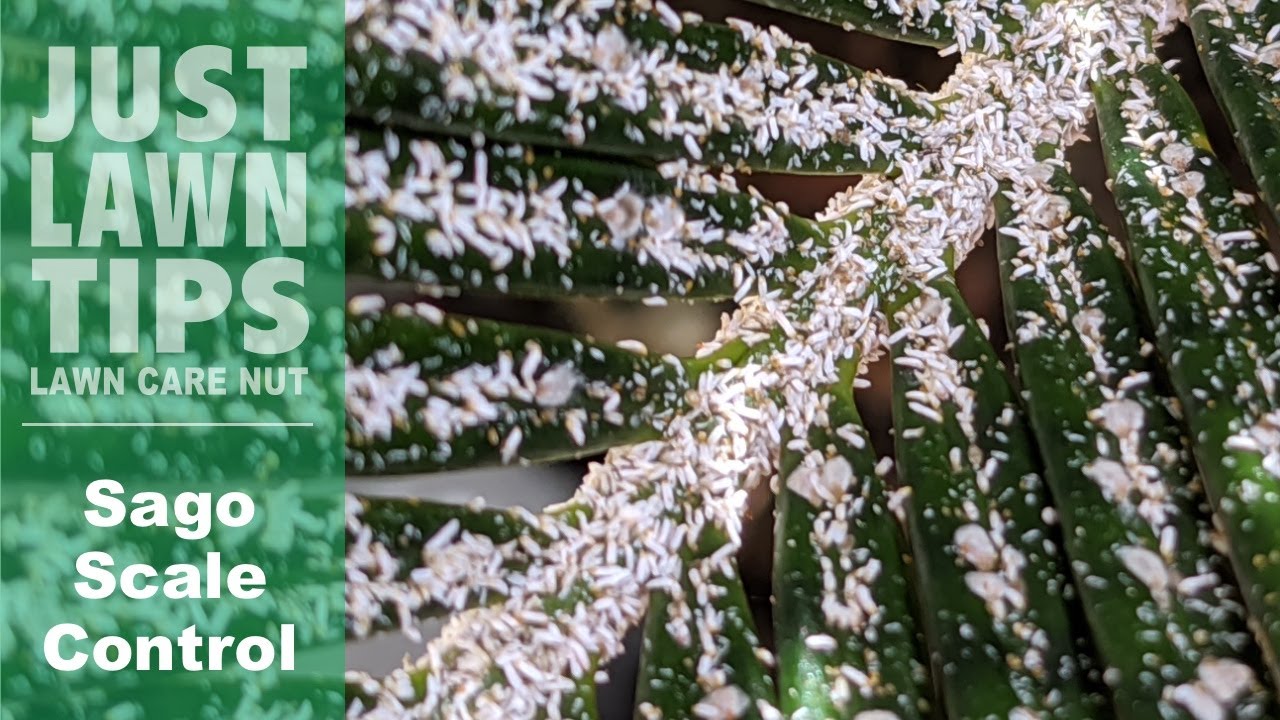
{"x":1129,"y":448}
{"x":512,"y":391}
{"x":823,"y":485}
{"x":1221,"y":684}
{"x":839,"y":522}
{"x":646,"y":499}
{"x":376,"y":400}
{"x":820,"y":643}
{"x":1262,"y":438}
{"x":995,"y":547}
{"x":1150,"y":569}
{"x":976,"y":547}
{"x":1128,"y":474}
{"x":464,"y":212}
{"x":1208,"y":268}
{"x":471,"y":397}
{"x":1258,"y":47}
{"x":522,"y":54}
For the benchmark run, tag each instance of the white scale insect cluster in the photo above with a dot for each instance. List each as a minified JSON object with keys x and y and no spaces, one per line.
{"x":779,"y":96}
{"x":1263,"y":438}
{"x":1171,"y":163}
{"x":645,"y":504}
{"x":988,"y":543}
{"x":649,"y":503}
{"x":695,"y":621}
{"x":509,"y":227}
{"x":455,"y":567}
{"x":521,"y":387}
{"x":848,"y":573}
{"x":831,"y":486}
{"x":1123,"y":471}
{"x":1265,"y":55}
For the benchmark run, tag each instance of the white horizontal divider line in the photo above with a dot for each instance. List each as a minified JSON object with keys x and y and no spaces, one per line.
{"x":168,"y":424}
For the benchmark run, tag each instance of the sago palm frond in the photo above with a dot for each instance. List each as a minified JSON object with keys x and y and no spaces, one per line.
{"x":1104,"y":541}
